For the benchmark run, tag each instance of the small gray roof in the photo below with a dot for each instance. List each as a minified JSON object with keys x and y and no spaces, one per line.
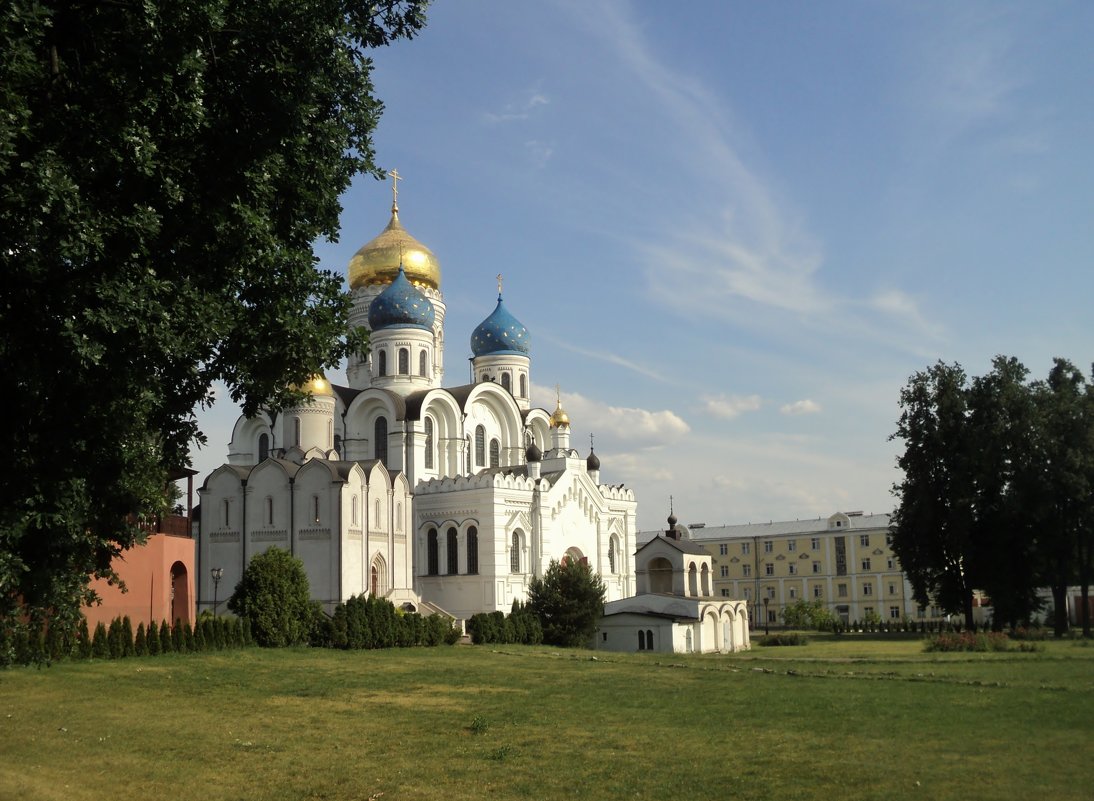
{"x":684,"y":546}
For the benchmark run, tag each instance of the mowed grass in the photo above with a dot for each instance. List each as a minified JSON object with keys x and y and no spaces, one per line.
{"x":840,"y":718}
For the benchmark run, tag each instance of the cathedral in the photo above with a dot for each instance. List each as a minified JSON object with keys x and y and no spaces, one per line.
{"x":438,"y":498}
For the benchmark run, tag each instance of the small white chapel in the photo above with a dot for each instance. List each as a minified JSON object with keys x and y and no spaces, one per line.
{"x":438,"y":498}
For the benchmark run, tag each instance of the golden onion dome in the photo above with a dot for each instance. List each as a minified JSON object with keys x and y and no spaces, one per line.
{"x":317,"y":386}
{"x":559,"y":418}
{"x":378,"y":261}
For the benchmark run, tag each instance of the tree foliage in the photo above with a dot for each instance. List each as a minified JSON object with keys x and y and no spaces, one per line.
{"x":568,"y":601}
{"x":273,"y":597}
{"x":164,"y":170}
{"x":803,"y":614}
{"x":997,"y":487}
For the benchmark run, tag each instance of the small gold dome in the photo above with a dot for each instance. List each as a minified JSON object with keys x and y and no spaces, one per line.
{"x":560,"y":418}
{"x":378,"y":261}
{"x":318,"y":386}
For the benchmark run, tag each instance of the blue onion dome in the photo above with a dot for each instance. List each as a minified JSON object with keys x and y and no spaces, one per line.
{"x":500,"y":333}
{"x":401,"y":305}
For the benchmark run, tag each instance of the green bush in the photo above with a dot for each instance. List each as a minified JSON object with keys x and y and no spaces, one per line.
{"x":784,"y":638}
{"x":273,"y":596}
{"x":83,"y":640}
{"x":167,"y":646}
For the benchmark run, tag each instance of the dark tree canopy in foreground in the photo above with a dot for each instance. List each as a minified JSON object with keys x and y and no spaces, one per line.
{"x":164,"y":170}
{"x":998,"y":488}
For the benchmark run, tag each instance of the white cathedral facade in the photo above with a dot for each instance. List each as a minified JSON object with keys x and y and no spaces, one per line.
{"x":449,"y":498}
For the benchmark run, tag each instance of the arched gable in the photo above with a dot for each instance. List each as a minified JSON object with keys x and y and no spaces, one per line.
{"x":360,"y":421}
{"x":490,"y":405}
{"x":244,"y":447}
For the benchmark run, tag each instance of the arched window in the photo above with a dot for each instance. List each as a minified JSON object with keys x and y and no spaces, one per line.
{"x":611,"y":555}
{"x":227,"y":513}
{"x":480,"y":446}
{"x":428,"y":443}
{"x":495,"y":453}
{"x":375,"y":583}
{"x":641,"y":640}
{"x":472,"y":550}
{"x":649,"y":639}
{"x":338,"y":445}
{"x":296,"y":431}
{"x":263,"y":447}
{"x":269,"y":511}
{"x":398,"y":517}
{"x":506,"y":382}
{"x":376,"y":517}
{"x":404,"y":361}
{"x":514,"y":554}
{"x":353,"y":511}
{"x":330,"y":433}
{"x":380,"y":437}
{"x":378,"y":577}
{"x":431,"y":549}
{"x":421,"y":362}
{"x":453,"y":548}
{"x":381,"y":363}
{"x":315,"y":507}
{"x":523,"y":385}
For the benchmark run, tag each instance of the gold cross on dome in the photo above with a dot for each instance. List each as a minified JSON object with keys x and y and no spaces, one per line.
{"x":394,"y":186}
{"x":499,"y":284}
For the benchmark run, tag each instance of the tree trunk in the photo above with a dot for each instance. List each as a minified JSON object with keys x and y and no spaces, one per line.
{"x":970,"y":624}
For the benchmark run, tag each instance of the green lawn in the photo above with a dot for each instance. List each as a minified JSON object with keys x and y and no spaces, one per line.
{"x":840,"y":718}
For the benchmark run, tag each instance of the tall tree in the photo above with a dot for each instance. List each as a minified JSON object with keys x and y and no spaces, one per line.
{"x":165,"y":168}
{"x":932,"y":525}
{"x":1001,"y":428}
{"x":1064,"y":484}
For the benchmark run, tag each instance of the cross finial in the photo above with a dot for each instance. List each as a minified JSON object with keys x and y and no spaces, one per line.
{"x":590,"y":442}
{"x":670,"y":505}
{"x":558,"y":394}
{"x":394,"y":189}
{"x":499,"y":285}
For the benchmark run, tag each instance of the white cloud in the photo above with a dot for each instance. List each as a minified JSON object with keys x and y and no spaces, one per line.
{"x":730,"y":406}
{"x":610,"y":358}
{"x":518,"y":111}
{"x":540,"y":152}
{"x":804,"y":406}
{"x":638,"y":427}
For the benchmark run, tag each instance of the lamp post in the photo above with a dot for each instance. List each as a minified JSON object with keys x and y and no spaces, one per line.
{"x":218,"y":573}
{"x":767,"y":620}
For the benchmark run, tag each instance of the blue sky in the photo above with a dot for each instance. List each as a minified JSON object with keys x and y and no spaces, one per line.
{"x":734,"y":229}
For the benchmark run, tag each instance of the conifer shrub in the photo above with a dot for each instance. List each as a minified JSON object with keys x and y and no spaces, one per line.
{"x":188,"y":638}
{"x":100,"y":647}
{"x":199,"y":637}
{"x":127,"y":637}
{"x":83,"y":640}
{"x":140,"y":641}
{"x":114,"y":639}
{"x":177,"y":644}
{"x":166,"y":645}
{"x":57,"y":646}
{"x":153,"y":639}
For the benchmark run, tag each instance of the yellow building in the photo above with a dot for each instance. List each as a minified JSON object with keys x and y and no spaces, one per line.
{"x":846,"y":560}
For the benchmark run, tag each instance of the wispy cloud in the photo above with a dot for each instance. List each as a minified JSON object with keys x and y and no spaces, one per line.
{"x":804,"y":406}
{"x":610,"y":358}
{"x":540,"y":152}
{"x":730,"y":406}
{"x":520,"y":110}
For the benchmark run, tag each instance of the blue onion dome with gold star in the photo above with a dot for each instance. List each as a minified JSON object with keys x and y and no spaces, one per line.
{"x":401,"y":305}
{"x":500,"y":334}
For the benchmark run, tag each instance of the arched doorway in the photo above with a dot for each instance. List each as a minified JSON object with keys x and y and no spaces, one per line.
{"x":659,"y":572}
{"x":180,"y":594}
